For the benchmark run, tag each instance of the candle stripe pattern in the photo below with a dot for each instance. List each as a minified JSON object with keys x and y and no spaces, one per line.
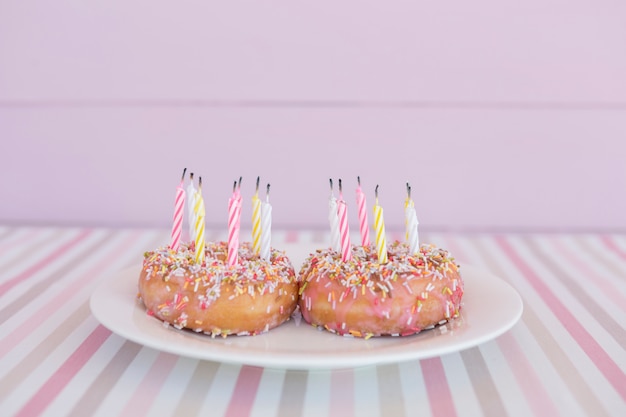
{"x":199,"y":213}
{"x":381,"y":240}
{"x":266,"y":231}
{"x":233,"y":231}
{"x":363,"y":222}
{"x":344,"y":232}
{"x":256,"y":224}
{"x":334,"y":224}
{"x":411,"y":228}
{"x":179,"y":208}
{"x":191,"y":195}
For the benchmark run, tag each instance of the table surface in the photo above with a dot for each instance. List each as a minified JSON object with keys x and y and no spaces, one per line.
{"x":566,"y":356}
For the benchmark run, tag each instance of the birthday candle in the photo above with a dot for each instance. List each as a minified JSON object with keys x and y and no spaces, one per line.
{"x":334,"y":220}
{"x":256,"y":220}
{"x":179,"y":208}
{"x":199,"y":214}
{"x":233,"y":227}
{"x":266,"y":226}
{"x":344,"y":230}
{"x":379,"y":228}
{"x":411,"y":222}
{"x":191,"y":194}
{"x":362,"y":207}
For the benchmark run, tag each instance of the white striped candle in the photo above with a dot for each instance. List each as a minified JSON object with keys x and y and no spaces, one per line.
{"x":191,"y":219}
{"x":333,"y":219}
{"x":266,"y":227}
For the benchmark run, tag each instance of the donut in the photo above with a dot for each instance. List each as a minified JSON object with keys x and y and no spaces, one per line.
{"x":363,"y":298}
{"x":249,"y":298}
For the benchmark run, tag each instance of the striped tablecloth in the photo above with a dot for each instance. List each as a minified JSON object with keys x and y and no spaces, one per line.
{"x":565,"y":357}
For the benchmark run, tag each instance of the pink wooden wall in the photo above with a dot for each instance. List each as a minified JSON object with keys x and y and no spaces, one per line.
{"x":502,"y":115}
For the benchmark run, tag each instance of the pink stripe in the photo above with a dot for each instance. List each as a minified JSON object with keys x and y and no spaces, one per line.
{"x":341,"y":393}
{"x":523,"y":371}
{"x":38,"y":317}
{"x":150,"y":386}
{"x":610,"y":243}
{"x":57,"y":382}
{"x":526,"y":377}
{"x":607,"y":288}
{"x":594,"y":351}
{"x":245,"y":391}
{"x":439,"y":396}
{"x":7,"y":285}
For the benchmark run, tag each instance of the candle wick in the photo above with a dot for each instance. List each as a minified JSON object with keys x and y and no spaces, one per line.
{"x":234,"y":186}
{"x":199,"y":182}
{"x":358,"y":180}
{"x":408,"y":190}
{"x":239,"y":185}
{"x":267,"y":194}
{"x":340,"y":188}
{"x":257,"y":184}
{"x":183,"y":177}
{"x":191,"y":176}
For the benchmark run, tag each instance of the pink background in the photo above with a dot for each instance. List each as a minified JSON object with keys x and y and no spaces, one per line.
{"x":502,"y":115}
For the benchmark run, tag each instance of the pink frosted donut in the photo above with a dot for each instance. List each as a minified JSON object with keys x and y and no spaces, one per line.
{"x":249,"y":298}
{"x":363,"y":298}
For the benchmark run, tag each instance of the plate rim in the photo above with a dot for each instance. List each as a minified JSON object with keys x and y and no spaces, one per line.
{"x":105,"y":292}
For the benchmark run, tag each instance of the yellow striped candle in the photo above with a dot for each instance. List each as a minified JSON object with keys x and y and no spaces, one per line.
{"x":199,"y":214}
{"x":379,"y":228}
{"x":256,"y":220}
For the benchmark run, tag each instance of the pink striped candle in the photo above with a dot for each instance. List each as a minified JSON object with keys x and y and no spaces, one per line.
{"x":362,"y":207}
{"x":344,"y":230}
{"x":179,"y":208}
{"x":234,"y":211}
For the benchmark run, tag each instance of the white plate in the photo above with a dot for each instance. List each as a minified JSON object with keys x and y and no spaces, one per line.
{"x":490,"y":308}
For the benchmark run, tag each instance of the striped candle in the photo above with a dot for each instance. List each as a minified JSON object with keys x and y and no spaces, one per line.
{"x":191,"y":219}
{"x":410,"y":217}
{"x":344,"y":230}
{"x":266,"y":227}
{"x":333,"y":220}
{"x":199,"y":215}
{"x":179,"y":208}
{"x":234,"y":211}
{"x":379,"y":228}
{"x":363,"y":222}
{"x":256,"y":220}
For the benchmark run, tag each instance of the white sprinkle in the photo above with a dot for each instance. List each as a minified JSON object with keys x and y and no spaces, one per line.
{"x":409,"y":320}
